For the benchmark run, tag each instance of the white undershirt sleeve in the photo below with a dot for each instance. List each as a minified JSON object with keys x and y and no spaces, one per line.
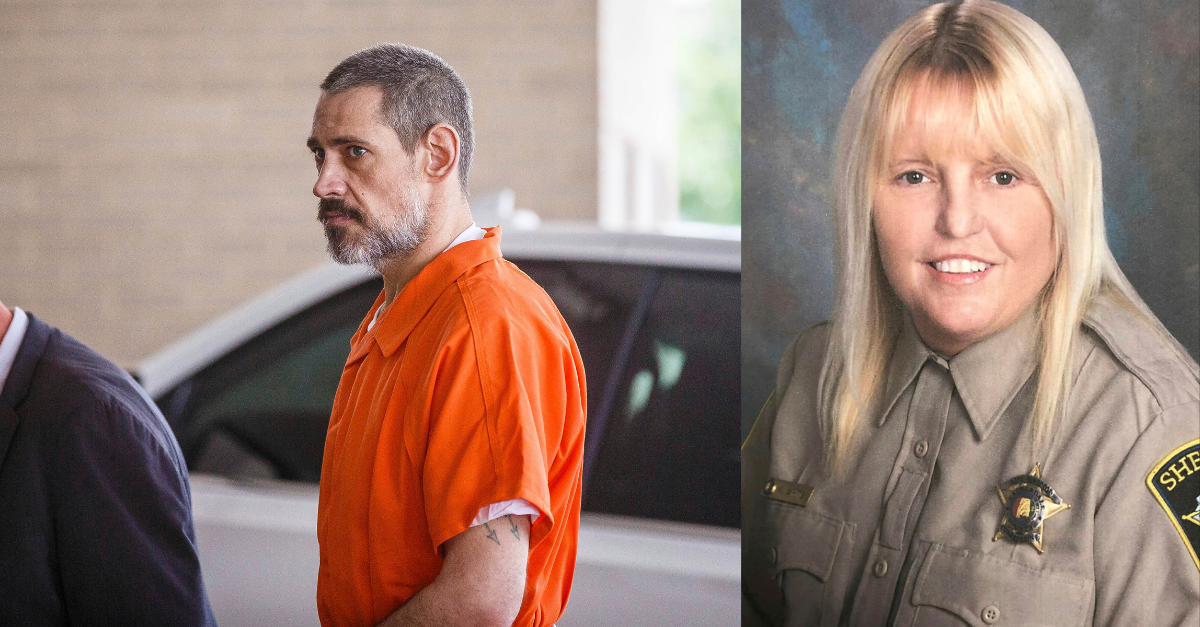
{"x":514,"y":507}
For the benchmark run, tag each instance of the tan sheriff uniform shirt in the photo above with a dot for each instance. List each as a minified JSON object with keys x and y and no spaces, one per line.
{"x":907,"y":537}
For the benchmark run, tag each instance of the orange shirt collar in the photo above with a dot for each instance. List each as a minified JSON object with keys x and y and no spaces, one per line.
{"x":420,"y":293}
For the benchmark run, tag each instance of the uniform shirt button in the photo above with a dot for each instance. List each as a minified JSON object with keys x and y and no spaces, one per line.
{"x":773,"y":555}
{"x":990,"y":614}
{"x":921,"y":448}
{"x":880,"y":568}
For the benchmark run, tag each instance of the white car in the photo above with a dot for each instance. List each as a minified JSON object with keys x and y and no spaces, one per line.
{"x":656,"y":318}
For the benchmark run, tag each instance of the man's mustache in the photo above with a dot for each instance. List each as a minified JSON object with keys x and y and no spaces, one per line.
{"x":336,"y":207}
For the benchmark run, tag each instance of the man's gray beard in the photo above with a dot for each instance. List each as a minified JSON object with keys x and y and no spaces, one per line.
{"x":394,"y":237}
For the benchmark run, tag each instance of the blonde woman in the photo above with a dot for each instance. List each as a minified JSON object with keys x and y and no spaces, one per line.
{"x":993,"y":429}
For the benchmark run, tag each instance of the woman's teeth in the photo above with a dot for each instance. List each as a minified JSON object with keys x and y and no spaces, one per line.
{"x":960,"y":266}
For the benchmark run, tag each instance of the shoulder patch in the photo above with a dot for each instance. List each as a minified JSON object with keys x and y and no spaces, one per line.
{"x":1175,"y":482}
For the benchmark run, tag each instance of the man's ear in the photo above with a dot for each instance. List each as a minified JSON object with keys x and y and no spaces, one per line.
{"x":442,"y":143}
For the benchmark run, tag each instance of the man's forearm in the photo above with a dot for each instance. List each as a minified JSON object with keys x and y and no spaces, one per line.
{"x":443,"y":604}
{"x":433,"y":605}
{"x":482,"y":580}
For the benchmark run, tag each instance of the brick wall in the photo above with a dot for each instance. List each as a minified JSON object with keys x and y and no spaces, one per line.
{"x":152,"y":152}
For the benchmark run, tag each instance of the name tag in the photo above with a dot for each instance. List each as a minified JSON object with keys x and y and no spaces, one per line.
{"x":788,"y":492}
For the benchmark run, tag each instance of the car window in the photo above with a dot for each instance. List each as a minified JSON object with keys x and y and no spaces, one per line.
{"x":670,"y":447}
{"x":596,"y":300}
{"x":263,"y":409}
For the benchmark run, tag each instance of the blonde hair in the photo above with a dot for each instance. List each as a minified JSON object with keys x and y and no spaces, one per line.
{"x":1028,"y":105}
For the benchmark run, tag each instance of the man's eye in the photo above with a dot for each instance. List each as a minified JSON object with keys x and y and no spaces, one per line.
{"x":913,"y":178}
{"x":318,"y":154}
{"x":357,"y":151}
{"x":1004,"y":178}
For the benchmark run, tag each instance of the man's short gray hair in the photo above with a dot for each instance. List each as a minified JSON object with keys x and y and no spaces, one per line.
{"x":419,"y":91}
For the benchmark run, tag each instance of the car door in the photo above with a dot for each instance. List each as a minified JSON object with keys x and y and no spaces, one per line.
{"x":252,"y":428}
{"x":661,"y":506}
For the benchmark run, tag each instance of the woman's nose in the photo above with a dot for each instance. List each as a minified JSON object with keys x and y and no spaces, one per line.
{"x":960,"y":214}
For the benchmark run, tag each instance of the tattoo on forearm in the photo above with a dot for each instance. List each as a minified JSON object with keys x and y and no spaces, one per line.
{"x":492,"y":534}
{"x":516,"y":532}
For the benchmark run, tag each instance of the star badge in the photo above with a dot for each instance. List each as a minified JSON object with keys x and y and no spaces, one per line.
{"x":1028,"y":502}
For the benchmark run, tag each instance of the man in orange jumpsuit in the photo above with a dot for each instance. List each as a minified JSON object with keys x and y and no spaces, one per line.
{"x":450,"y":486}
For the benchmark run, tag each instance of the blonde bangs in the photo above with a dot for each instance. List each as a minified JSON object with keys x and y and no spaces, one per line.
{"x":965,"y":108}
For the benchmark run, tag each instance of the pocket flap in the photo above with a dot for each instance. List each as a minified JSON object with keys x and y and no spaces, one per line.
{"x":803,"y":539}
{"x":971,"y":586}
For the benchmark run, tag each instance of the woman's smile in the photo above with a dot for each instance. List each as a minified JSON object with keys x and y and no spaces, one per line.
{"x":959,"y":270}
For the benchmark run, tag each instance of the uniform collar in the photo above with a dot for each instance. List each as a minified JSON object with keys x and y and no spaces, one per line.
{"x":987,"y":374}
{"x":908,"y":356}
{"x":416,"y":297}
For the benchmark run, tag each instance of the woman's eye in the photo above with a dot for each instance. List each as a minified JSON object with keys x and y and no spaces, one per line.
{"x":1004,"y":178}
{"x":913,"y":178}
{"x":357,"y":151}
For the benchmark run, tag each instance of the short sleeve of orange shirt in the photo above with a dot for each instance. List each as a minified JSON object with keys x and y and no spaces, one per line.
{"x":468,"y":391}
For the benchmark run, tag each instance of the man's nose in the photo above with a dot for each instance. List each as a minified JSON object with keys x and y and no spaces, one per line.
{"x":960,"y":216}
{"x":331,"y":182}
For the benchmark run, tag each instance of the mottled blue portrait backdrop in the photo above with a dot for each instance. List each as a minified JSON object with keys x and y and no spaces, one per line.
{"x":1137,"y":62}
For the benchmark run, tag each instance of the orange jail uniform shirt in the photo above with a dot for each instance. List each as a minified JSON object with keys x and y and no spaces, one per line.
{"x":468,"y":391}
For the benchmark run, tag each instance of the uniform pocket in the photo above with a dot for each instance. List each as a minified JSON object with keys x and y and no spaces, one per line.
{"x":956,"y":587}
{"x":805,"y":540}
{"x":805,"y":546}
